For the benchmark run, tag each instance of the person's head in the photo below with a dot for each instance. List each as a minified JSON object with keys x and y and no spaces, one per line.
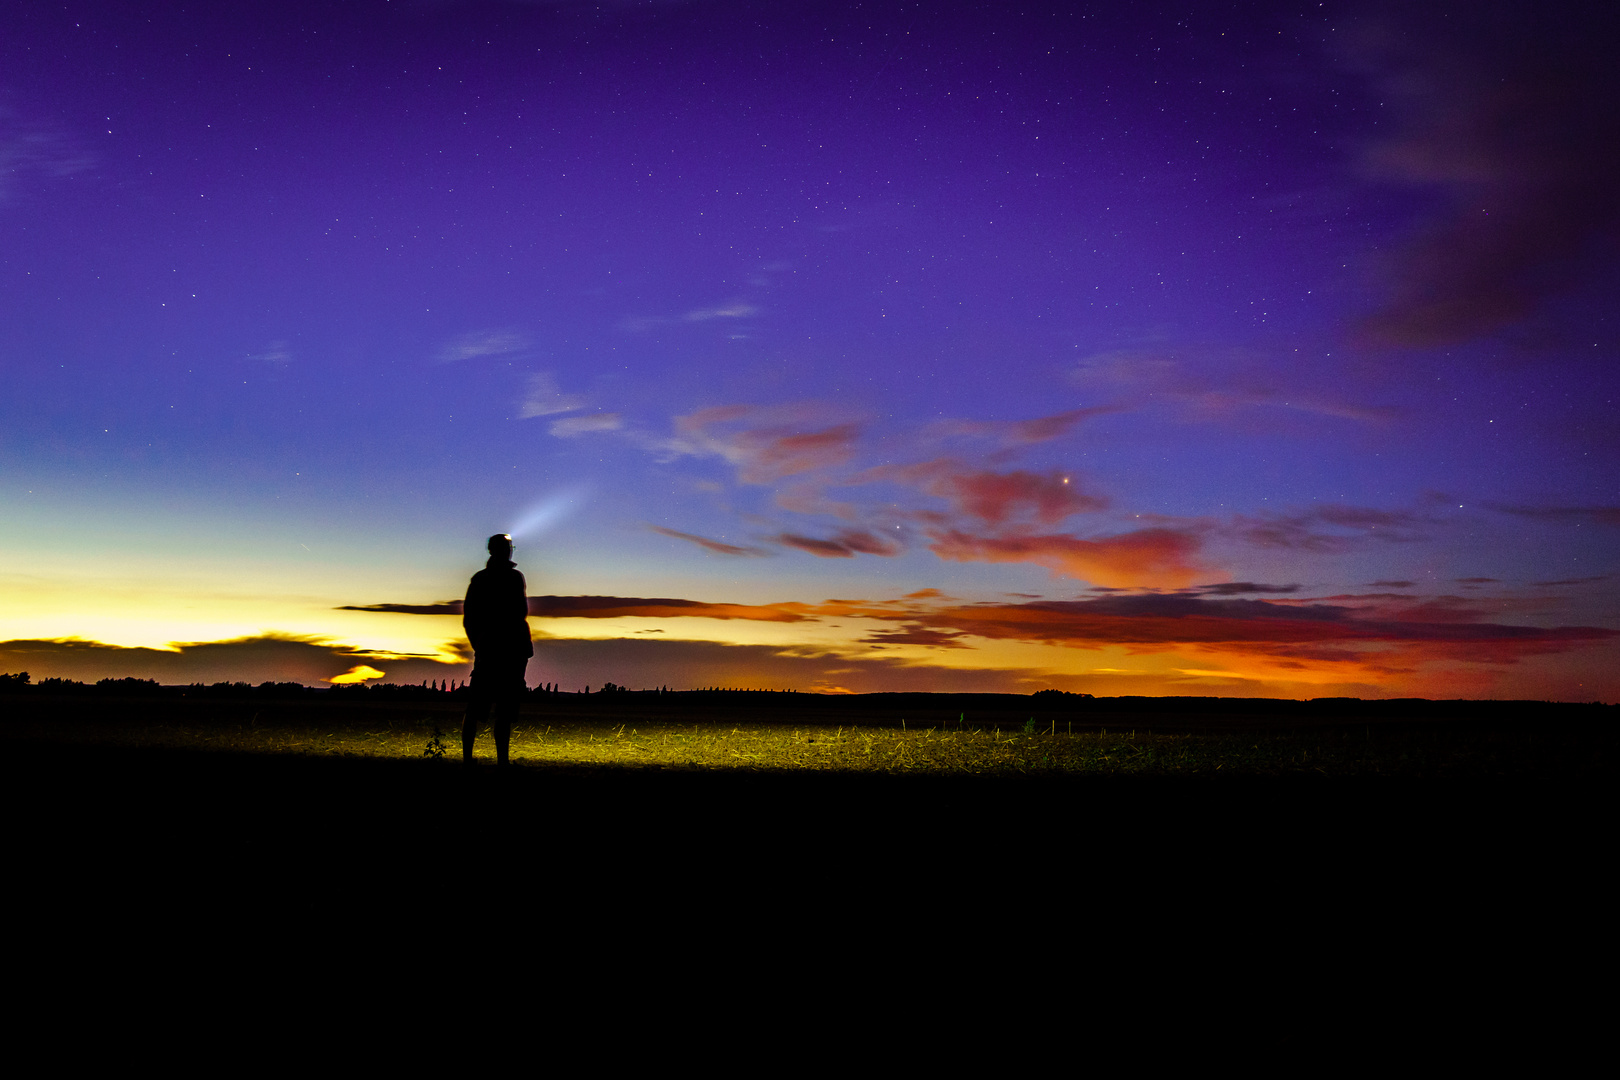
{"x":500,"y":546}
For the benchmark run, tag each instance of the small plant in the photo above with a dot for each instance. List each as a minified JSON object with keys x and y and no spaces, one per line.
{"x":1029,"y":726}
{"x":435,"y":746}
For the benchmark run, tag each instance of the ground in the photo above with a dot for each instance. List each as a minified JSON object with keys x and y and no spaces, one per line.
{"x":317,"y":810}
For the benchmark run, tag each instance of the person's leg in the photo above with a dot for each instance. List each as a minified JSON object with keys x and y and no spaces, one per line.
{"x":477,"y":713}
{"x":505,"y":713}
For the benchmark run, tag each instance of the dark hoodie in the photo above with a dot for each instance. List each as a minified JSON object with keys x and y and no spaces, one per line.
{"x":496,"y":612}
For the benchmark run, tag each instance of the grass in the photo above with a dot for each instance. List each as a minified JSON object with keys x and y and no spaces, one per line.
{"x":643,"y":739}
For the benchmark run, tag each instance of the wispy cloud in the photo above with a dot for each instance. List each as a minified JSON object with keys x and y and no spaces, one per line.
{"x":1016,"y":432}
{"x":1331,"y":528}
{"x":583,"y":425}
{"x":767,"y":445}
{"x":717,"y":547}
{"x":36,"y":149}
{"x":611,"y":607}
{"x":845,"y":545}
{"x":1239,"y":588}
{"x":964,"y":510}
{"x":542,"y":397}
{"x":277,"y":352}
{"x":736,"y":310}
{"x":1592,"y":515}
{"x":481,"y":343}
{"x":1211,"y":384}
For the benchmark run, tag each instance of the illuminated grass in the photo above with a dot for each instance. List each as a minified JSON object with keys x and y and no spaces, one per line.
{"x":546,"y":740}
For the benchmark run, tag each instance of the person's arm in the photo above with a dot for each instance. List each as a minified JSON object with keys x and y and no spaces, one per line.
{"x":470,"y":615}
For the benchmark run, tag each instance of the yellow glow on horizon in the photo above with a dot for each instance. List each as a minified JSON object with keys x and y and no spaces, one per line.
{"x":145,"y":602}
{"x":362,"y":673}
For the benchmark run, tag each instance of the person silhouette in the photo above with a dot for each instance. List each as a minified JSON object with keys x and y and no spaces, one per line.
{"x":496,"y":618}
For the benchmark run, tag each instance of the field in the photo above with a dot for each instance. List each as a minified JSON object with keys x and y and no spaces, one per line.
{"x":660,"y":809}
{"x":841,"y":736}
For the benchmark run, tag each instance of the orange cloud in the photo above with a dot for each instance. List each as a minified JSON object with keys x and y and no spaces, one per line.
{"x":1160,"y":558}
{"x":1302,"y":643}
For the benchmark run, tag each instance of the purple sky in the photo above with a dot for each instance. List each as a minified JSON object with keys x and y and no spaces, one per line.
{"x":1263,"y":350}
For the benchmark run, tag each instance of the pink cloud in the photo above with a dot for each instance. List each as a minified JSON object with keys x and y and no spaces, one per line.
{"x":786,"y":442}
{"x":995,"y":498}
{"x":1017,"y":432}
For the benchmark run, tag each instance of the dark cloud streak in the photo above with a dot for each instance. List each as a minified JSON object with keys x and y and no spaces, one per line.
{"x":717,"y":547}
{"x":1512,"y":112}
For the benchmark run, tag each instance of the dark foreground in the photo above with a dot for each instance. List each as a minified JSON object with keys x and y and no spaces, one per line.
{"x":104,"y":825}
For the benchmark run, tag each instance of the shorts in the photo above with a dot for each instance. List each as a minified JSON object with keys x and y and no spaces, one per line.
{"x":499,"y":678}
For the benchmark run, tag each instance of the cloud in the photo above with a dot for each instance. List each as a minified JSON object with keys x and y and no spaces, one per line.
{"x":1222,"y":382}
{"x":917,"y":634}
{"x":998,"y":515}
{"x":734,"y":310}
{"x":581,"y":425}
{"x":443,"y":607}
{"x":778,"y":443}
{"x":715,"y":546}
{"x":1016,"y":432}
{"x":610,"y":607}
{"x":1309,"y":530}
{"x":615,"y":607}
{"x":277,"y":352}
{"x":1360,"y":630}
{"x":1373,"y":642}
{"x":1157,"y":557}
{"x":647,"y":662}
{"x":637,"y":662}
{"x":846,"y":545}
{"x":358,"y":674}
{"x":1591,"y":515}
{"x":267,"y":658}
{"x":543,"y":398}
{"x":772,"y":455}
{"x":1236,"y":588}
{"x":994,"y":498}
{"x":32,"y":148}
{"x":1511,"y":114}
{"x":1390,"y":584}
{"x":480,"y":343}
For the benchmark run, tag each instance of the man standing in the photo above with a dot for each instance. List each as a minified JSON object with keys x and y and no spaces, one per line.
{"x":496,"y":618}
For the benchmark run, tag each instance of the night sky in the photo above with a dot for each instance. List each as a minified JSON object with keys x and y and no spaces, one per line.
{"x":1257,"y":350}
